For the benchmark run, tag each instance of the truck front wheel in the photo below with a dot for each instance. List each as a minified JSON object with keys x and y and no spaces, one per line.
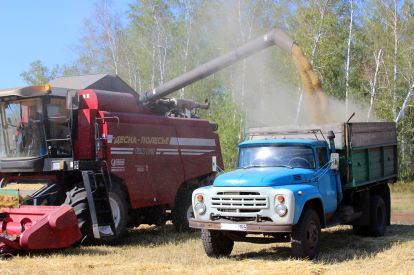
{"x":216,"y":243}
{"x":306,"y":235}
{"x":377,"y":216}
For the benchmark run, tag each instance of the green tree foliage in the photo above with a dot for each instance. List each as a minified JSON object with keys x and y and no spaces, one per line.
{"x":163,"y":39}
{"x":39,"y":74}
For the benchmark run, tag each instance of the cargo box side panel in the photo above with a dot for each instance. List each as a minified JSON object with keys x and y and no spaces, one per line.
{"x":365,"y":134}
{"x":372,"y":165}
{"x":390,"y":160}
{"x":360,"y":166}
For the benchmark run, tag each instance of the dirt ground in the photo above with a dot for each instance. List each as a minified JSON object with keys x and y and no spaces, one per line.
{"x":398,"y":217}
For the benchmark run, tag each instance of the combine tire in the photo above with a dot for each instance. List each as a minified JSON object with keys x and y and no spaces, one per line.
{"x":306,"y":235}
{"x":183,"y":211}
{"x":377,"y":217}
{"x":79,"y":202}
{"x":120,"y":208}
{"x":117,"y":198}
{"x":216,"y":243}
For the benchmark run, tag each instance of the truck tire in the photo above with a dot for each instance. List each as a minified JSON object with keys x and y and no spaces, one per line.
{"x":377,"y":217}
{"x":306,"y":235}
{"x":360,"y":230}
{"x":76,"y":198}
{"x":216,"y":243}
{"x":183,"y":211}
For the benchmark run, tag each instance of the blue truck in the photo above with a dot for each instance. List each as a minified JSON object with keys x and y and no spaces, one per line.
{"x":292,"y":181}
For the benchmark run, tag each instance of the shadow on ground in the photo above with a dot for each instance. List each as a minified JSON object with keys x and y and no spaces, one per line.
{"x":340,"y":244}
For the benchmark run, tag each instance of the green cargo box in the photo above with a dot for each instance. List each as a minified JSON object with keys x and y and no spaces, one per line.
{"x":368,"y":150}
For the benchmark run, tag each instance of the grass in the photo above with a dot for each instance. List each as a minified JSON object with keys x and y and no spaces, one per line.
{"x":151,"y":249}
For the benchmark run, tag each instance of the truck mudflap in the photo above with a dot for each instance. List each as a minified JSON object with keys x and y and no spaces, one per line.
{"x":248,"y":226}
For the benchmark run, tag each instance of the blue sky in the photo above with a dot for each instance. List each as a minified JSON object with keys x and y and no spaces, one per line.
{"x":43,"y":30}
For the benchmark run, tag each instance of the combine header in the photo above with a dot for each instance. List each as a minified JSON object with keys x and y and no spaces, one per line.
{"x":32,"y":228}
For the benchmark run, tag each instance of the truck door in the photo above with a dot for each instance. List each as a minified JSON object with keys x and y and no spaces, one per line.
{"x":326,"y":181}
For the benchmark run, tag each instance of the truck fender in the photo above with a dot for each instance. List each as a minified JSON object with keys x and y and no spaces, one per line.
{"x":309,"y":196}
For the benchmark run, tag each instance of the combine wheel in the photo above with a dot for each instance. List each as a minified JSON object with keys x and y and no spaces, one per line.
{"x":117,"y":198}
{"x":377,"y":217}
{"x":120,"y":208}
{"x":183,"y":211}
{"x":78,"y":200}
{"x":306,"y":235}
{"x":216,"y":243}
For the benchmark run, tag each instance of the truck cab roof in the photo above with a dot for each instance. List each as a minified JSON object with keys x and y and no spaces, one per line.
{"x":268,"y":142}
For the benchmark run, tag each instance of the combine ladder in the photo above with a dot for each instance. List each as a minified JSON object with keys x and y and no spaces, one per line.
{"x":97,"y":189}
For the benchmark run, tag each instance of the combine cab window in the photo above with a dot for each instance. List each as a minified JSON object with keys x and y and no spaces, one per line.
{"x":22,"y":130}
{"x":27,"y":132}
{"x":274,"y":156}
{"x":58,"y":117}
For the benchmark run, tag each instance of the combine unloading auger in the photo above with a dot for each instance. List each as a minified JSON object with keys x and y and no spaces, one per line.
{"x":275,"y":37}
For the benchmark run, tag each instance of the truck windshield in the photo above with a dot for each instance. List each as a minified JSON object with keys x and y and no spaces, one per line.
{"x":23,"y":133}
{"x":296,"y":156}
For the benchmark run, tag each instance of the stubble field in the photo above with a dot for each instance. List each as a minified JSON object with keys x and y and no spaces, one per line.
{"x":159,"y":250}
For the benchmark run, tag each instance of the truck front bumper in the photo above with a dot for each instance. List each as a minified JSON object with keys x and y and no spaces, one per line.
{"x":248,"y":226}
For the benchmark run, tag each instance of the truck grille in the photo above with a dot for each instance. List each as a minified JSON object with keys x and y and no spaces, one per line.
{"x":239,"y":202}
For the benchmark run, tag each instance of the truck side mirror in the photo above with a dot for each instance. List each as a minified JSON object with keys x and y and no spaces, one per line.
{"x":72,"y":100}
{"x":334,"y":161}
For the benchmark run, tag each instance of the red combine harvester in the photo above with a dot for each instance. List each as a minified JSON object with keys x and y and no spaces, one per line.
{"x":92,"y":144}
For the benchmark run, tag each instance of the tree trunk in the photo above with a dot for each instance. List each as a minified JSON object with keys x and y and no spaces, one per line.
{"x":407,"y":98}
{"x":351,"y":2}
{"x":374,"y":85}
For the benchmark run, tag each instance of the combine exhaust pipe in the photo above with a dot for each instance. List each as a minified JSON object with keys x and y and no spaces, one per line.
{"x":275,"y":37}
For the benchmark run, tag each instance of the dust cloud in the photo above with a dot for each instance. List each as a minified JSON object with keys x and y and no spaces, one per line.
{"x":273,"y":85}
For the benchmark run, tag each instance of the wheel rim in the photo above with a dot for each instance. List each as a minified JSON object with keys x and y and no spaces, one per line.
{"x":312,"y":235}
{"x":190,"y":213}
{"x":116,"y":214}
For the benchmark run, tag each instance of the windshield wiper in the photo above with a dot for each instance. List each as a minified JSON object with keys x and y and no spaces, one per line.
{"x":249,"y":166}
{"x":283,"y":165}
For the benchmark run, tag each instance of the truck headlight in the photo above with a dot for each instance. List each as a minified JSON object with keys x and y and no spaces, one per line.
{"x":200,"y":208}
{"x":281,"y":209}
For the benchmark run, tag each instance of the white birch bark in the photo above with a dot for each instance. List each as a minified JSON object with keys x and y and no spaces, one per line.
{"x":405,"y":104}
{"x":395,"y":57}
{"x":188,"y":23}
{"x":351,"y":2}
{"x":374,"y":85}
